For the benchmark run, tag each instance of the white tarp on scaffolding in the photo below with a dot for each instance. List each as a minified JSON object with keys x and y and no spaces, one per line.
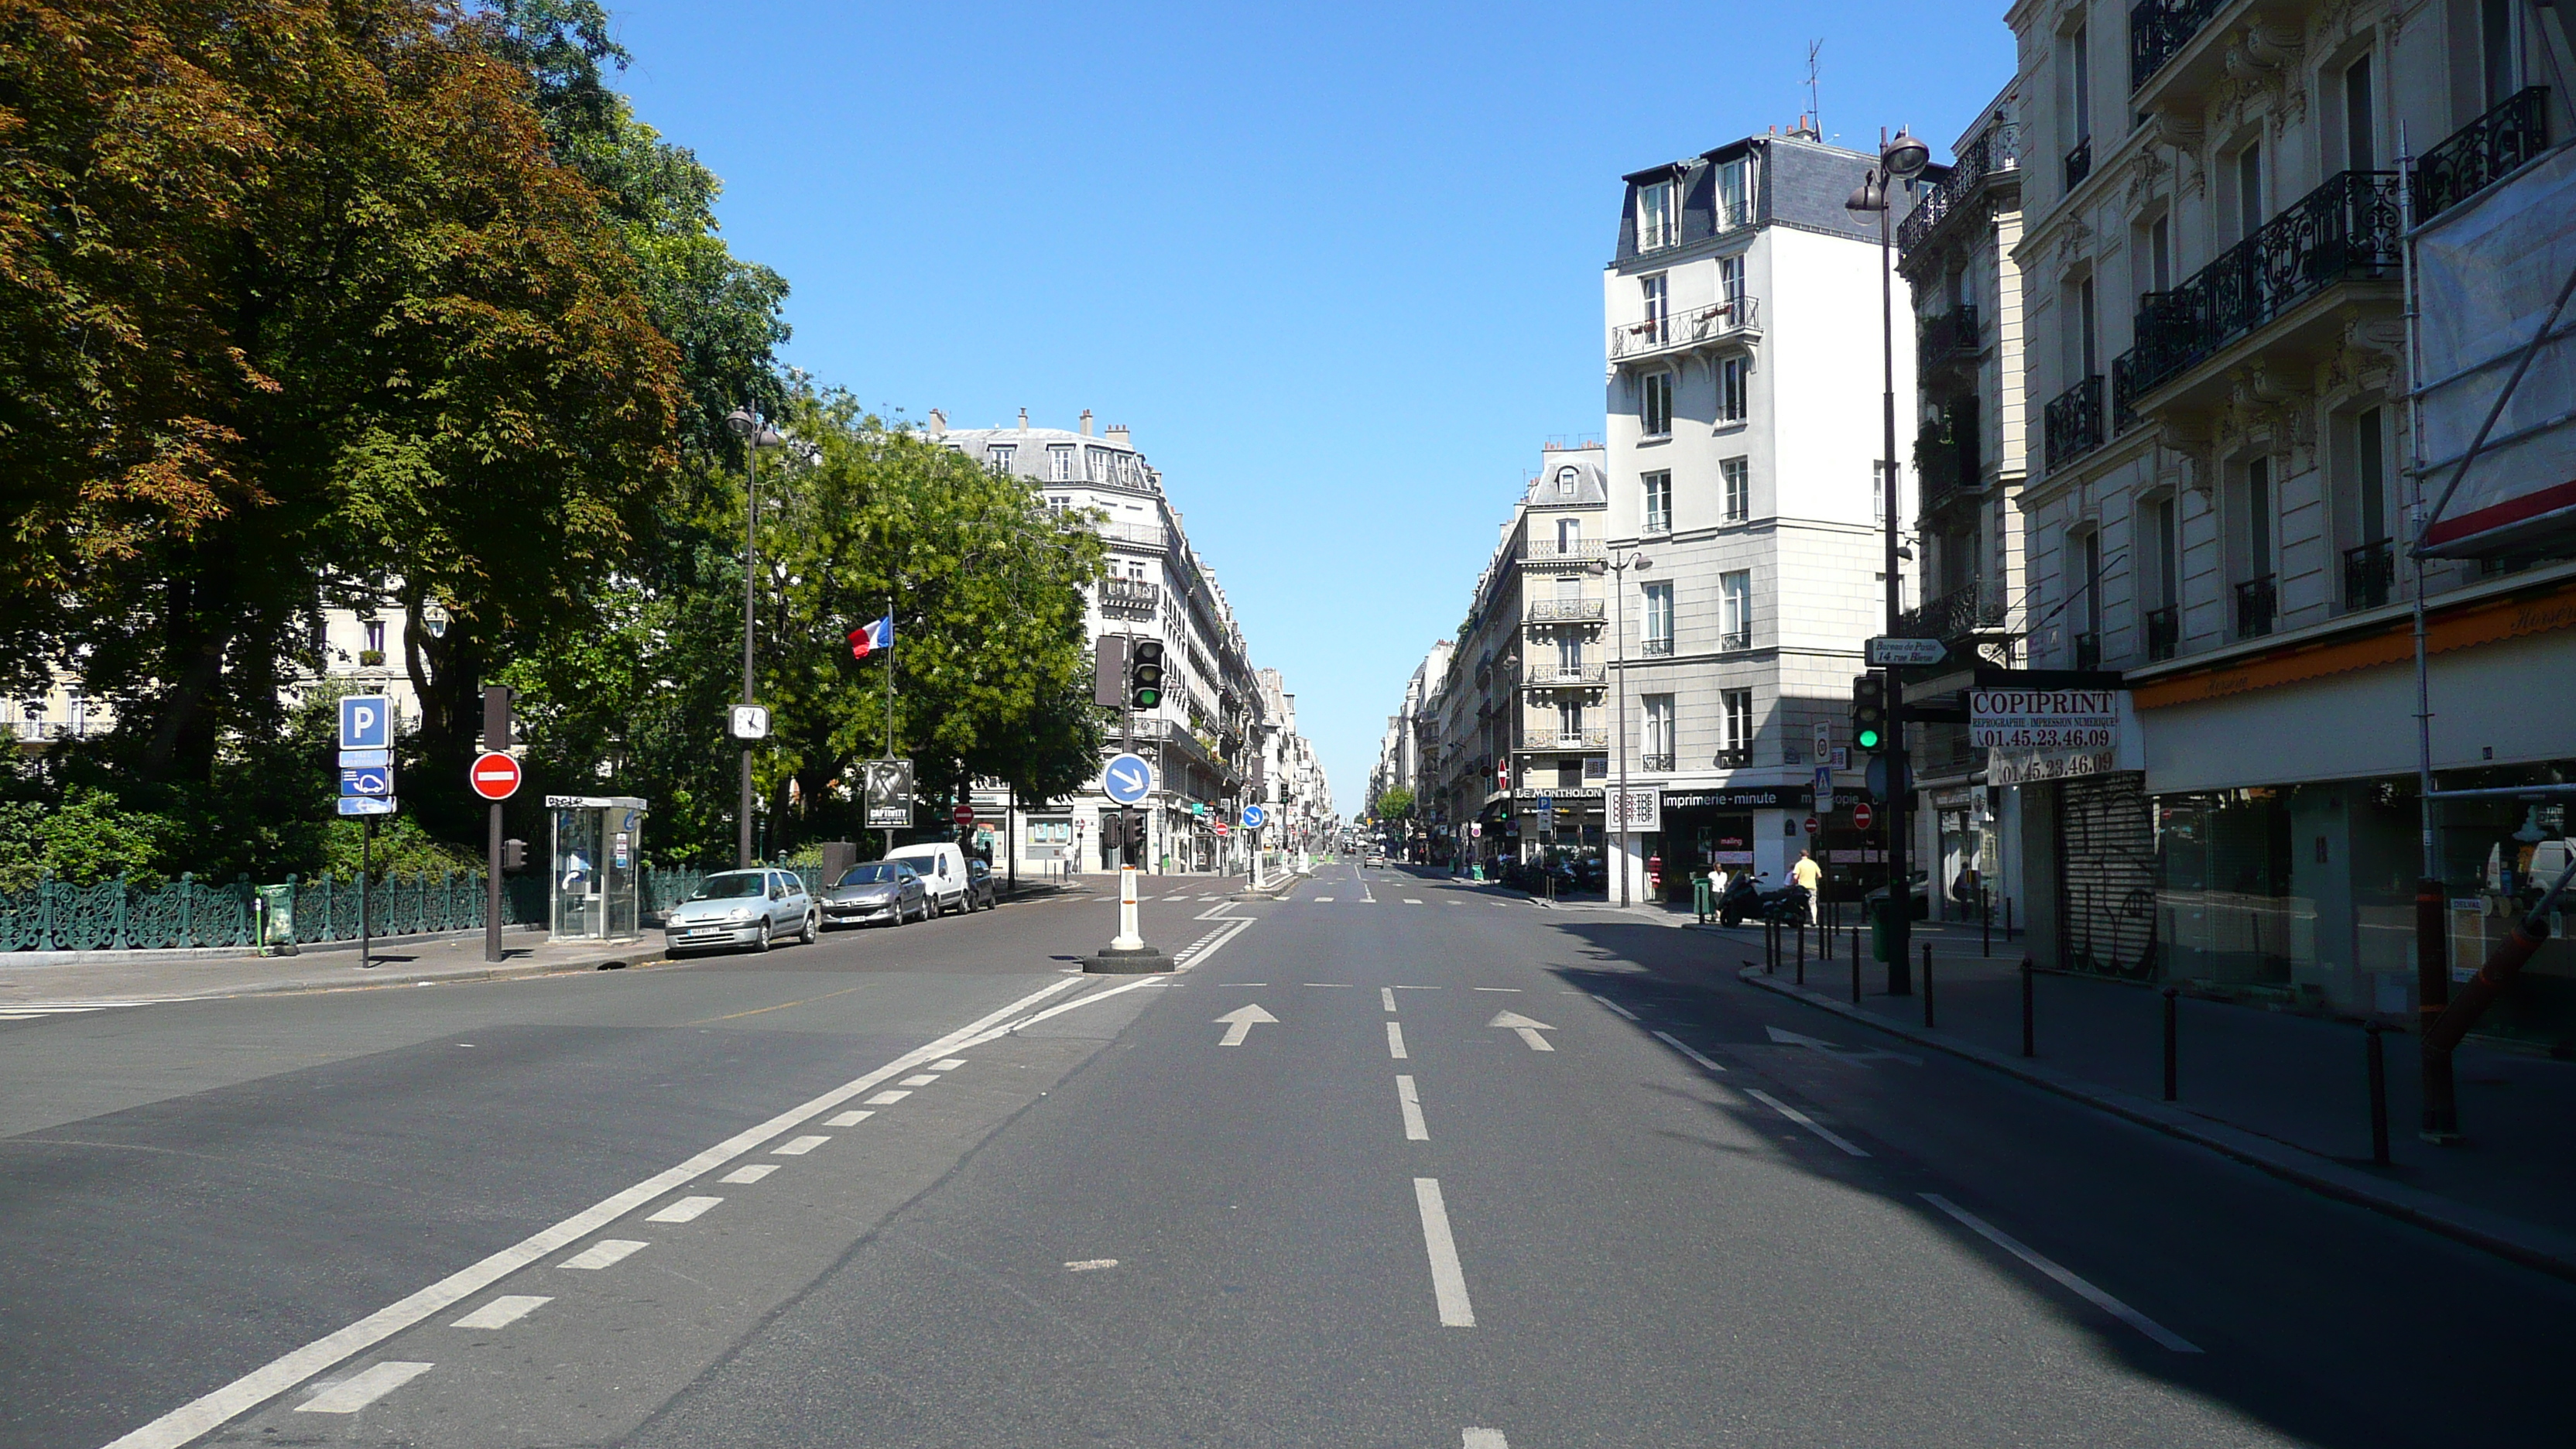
{"x":2487,"y":274}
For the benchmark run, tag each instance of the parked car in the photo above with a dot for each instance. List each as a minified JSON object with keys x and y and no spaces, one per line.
{"x":742,"y":908}
{"x":981,"y":888}
{"x":942,"y":868}
{"x":1375,"y":856}
{"x":881,"y":890}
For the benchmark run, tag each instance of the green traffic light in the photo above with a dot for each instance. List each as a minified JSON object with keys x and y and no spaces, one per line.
{"x":1869,"y":739}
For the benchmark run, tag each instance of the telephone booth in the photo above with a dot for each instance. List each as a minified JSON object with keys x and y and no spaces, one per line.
{"x":598,"y":855}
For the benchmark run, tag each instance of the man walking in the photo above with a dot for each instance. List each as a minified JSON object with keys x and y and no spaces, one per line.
{"x":1811,"y":879}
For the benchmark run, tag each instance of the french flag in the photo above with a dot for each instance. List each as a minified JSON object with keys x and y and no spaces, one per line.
{"x":867,"y":639}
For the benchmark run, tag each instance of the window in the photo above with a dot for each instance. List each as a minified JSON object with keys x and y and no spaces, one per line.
{"x":1569,"y":652}
{"x":2160,"y":254}
{"x":2085,"y":613}
{"x":375,"y":635}
{"x":1658,"y":219}
{"x":1880,"y":485}
{"x":2079,"y":83}
{"x":2249,"y":188}
{"x":1735,"y":476}
{"x":1738,"y":705}
{"x":1658,"y":746}
{"x":2360,"y":118}
{"x":2496,"y":45}
{"x":1730,"y":390}
{"x":1569,"y":720}
{"x":1658,"y":623}
{"x":2256,"y":595}
{"x":1730,"y":285}
{"x":1569,"y":482}
{"x":1569,"y":535}
{"x":1655,"y":410}
{"x":2087,"y":328}
{"x":1659,"y":502}
{"x":1657,"y":299}
{"x":1735,"y":193}
{"x":1059,"y":464}
{"x":999,"y":455}
{"x":2166,"y":541}
{"x":1735,"y":608}
{"x":1058,"y":501}
{"x":2361,"y":506}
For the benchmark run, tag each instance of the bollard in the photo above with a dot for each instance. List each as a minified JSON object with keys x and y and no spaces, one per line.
{"x":1985,"y":922}
{"x":1770,"y":947}
{"x":2172,"y":1088}
{"x":1855,"y":959}
{"x":1802,"y":953}
{"x":2378,"y":1095}
{"x":2008,"y":922}
{"x":1927,"y":986}
{"x":2028,"y":1047}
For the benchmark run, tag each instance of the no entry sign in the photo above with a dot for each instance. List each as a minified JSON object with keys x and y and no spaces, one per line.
{"x":1862,"y":815}
{"x":963,"y":814}
{"x":494,"y":776}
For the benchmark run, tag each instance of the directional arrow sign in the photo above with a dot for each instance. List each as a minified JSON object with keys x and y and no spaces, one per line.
{"x":1239,"y":1022}
{"x":1848,"y":1054}
{"x":1127,"y":780}
{"x":1528,"y":1029}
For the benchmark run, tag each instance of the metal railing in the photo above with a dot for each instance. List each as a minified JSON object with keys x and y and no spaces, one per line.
{"x":1657,"y":646}
{"x":1559,"y":676}
{"x":1662,"y":762}
{"x":1565,"y":611}
{"x":2479,"y":152}
{"x":116,"y":915}
{"x":2073,"y":422}
{"x":1964,"y":611}
{"x":1134,"y":595}
{"x":1952,"y":336}
{"x":1946,"y":458}
{"x":2369,"y":575}
{"x":1545,"y":551}
{"x":2079,"y":163}
{"x":1734,"y":639}
{"x":1134,"y":535}
{"x":2256,"y":602}
{"x":2345,"y":228}
{"x":1691,"y":327}
{"x":1996,"y":150}
{"x":2124,"y":392}
{"x":1557,"y":739}
{"x":2164,"y":632}
{"x":2159,"y":29}
{"x":1735,"y":757}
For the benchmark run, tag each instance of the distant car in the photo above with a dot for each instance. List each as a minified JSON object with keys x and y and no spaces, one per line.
{"x":881,"y":890}
{"x":1374,"y":857}
{"x":942,"y":868}
{"x":981,"y":888}
{"x":742,"y":908}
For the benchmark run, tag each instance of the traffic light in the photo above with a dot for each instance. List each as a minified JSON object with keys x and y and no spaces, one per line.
{"x":1145,"y":674}
{"x":1113,"y":830}
{"x":514,"y":855}
{"x":1109,"y":672}
{"x":1869,"y":714}
{"x":498,"y":735}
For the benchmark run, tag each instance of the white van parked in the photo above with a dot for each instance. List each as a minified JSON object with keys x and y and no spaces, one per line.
{"x":942,"y":868}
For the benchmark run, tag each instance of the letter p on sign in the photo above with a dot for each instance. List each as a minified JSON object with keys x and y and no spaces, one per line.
{"x":366,"y":722}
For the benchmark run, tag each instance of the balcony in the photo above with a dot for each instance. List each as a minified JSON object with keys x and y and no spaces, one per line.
{"x":2369,"y":575}
{"x":2074,"y":422}
{"x":1653,"y":764}
{"x":1551,"y":552}
{"x":1146,"y":536}
{"x":2256,"y":602}
{"x":1963,"y":613}
{"x":2343,"y":230}
{"x":1946,"y":460}
{"x":1595,"y":738}
{"x":1563,"y":676}
{"x":1995,"y":153}
{"x":1725,"y":321}
{"x":2124,"y":392}
{"x":1564,"y":611}
{"x":2159,"y":29}
{"x":1735,"y":757}
{"x":1130,"y":596}
{"x":1656,"y":647}
{"x":1734,"y":640}
{"x":1949,"y":339}
{"x":2079,"y":163}
{"x":2088,"y":651}
{"x":2479,"y":152}
{"x":2164,"y":632}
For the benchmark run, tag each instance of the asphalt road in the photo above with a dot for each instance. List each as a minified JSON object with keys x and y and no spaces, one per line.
{"x":1393,"y":1162}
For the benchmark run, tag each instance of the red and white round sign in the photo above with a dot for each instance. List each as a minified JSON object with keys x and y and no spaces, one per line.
{"x":1862,"y":816}
{"x":1814,"y":825}
{"x":963,"y":814}
{"x":494,"y":776}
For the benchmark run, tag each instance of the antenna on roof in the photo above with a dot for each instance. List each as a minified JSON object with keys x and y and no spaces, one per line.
{"x":1815,"y":111}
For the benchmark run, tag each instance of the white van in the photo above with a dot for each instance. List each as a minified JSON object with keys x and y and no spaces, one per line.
{"x":942,"y":868}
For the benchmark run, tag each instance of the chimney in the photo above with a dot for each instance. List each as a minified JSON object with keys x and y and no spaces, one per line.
{"x":1086,"y":422}
{"x":938,"y":422}
{"x":1024,"y":420}
{"x":1118,"y":435}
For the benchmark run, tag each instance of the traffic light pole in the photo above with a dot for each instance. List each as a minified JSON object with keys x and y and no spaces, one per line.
{"x":1899,"y":930}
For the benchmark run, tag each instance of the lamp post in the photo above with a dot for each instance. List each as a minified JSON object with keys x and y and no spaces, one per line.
{"x":756,"y":435}
{"x":1618,"y":570}
{"x":1899,"y":160}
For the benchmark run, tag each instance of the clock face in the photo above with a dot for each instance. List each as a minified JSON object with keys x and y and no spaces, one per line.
{"x":750,"y":722}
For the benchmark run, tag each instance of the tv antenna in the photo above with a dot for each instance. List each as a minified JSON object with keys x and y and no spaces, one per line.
{"x":1815,"y":112}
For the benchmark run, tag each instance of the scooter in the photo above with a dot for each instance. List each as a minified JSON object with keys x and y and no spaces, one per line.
{"x":1746,"y":899}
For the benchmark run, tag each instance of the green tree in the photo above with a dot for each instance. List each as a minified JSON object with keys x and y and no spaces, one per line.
{"x":1395,"y":804}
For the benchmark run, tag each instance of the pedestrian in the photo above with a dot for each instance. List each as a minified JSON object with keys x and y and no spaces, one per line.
{"x":1810,"y":878}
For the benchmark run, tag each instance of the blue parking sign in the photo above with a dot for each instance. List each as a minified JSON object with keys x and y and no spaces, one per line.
{"x":366,"y":722}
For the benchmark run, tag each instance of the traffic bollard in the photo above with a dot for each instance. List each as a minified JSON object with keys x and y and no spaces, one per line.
{"x":1927,"y":986}
{"x":1855,"y":959}
{"x":1985,"y":923}
{"x":2173,"y":1090}
{"x":1802,"y":953}
{"x":2029,"y":1048}
{"x":1770,"y":947}
{"x":2378,"y":1095}
{"x":2008,"y":924}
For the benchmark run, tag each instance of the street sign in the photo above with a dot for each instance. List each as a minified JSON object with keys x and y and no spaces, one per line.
{"x":1197,"y":809}
{"x":1814,"y":825}
{"x":1221,"y":827}
{"x":494,"y":776}
{"x":963,"y":815}
{"x":1824,"y":782}
{"x":366,"y":759}
{"x":750,"y":722}
{"x":1862,"y":815}
{"x":1824,"y":741}
{"x":366,"y":722}
{"x":1887,"y":650}
{"x":1252,"y":817}
{"x":1127,"y":780}
{"x":366,"y":804}
{"x":366,"y":782}
{"x":887,"y":786}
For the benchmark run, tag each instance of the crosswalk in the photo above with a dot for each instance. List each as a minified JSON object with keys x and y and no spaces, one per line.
{"x":31,"y":1010}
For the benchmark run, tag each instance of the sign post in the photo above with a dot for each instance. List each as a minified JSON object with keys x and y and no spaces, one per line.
{"x":366,"y":787}
{"x":494,"y":771}
{"x":1127,"y":780}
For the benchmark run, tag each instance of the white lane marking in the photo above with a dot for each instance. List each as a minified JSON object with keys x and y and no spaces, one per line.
{"x":847,"y":1119}
{"x":1412,"y":900}
{"x":2164,"y":1337}
{"x":1386,"y":994}
{"x":1395,"y":1040}
{"x":1417,"y":988}
{"x":923,"y":1080}
{"x":30,"y":1010}
{"x":1677,"y":1044}
{"x":1527,"y":1028}
{"x":1482,"y":1439}
{"x":1342,"y":984}
{"x":357,"y":1391}
{"x":1090,"y":1265}
{"x":1614,"y":1006}
{"x":686,"y":1210}
{"x":753,"y":1173}
{"x":1513,"y":989}
{"x":602,"y":1254}
{"x":947,"y":1064}
{"x":887,"y":1099}
{"x":798,"y":1147}
{"x":1803,"y":1120}
{"x":1448,"y":1280}
{"x":1239,"y":1022}
{"x":1415,"y":1129}
{"x":502,"y":1312}
{"x":1323,"y":900}
{"x":1061,"y":1007}
{"x":1454,"y":901}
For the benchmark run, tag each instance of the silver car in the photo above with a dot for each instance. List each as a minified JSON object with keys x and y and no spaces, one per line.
{"x":742,"y":908}
{"x":881,"y":890}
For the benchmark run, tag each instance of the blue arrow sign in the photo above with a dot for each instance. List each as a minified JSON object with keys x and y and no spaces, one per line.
{"x":1127,"y":780}
{"x":1252,"y":817}
{"x":367,"y":805}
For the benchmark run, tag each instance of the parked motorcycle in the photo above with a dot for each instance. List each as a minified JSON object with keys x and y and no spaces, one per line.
{"x":1745,"y":899}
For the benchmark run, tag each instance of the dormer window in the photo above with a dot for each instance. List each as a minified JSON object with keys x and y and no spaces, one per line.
{"x":1735,"y":193}
{"x":1567,"y":479}
{"x":1659,"y":222}
{"x":1060,"y":464}
{"x":1000,"y":455}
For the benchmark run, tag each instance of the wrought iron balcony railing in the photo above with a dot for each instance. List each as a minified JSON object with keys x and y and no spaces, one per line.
{"x":1563,"y":676}
{"x":2073,"y":422}
{"x":2164,"y":632}
{"x":2256,"y":602}
{"x":1549,"y":551}
{"x":1950,"y":337}
{"x":2159,"y":29}
{"x":2369,"y":575}
{"x":2124,"y":392}
{"x":1565,"y":611}
{"x":1147,"y":536}
{"x":1657,"y":646}
{"x":2088,"y":651}
{"x":2479,"y":152}
{"x":1735,"y":639}
{"x":1558,"y":739}
{"x":1946,"y":458}
{"x":1735,"y":757}
{"x":1959,"y":614}
{"x":2345,"y":228}
{"x":1654,"y":762}
{"x":2079,"y":163}
{"x":1726,"y":318}
{"x":1131,"y":595}
{"x":1996,"y":151}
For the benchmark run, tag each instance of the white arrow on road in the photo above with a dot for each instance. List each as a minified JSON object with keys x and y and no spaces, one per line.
{"x":1528,"y":1029}
{"x":1239,"y":1022}
{"x":1849,"y":1054}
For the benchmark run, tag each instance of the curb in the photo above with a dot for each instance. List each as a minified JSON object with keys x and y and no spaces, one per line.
{"x":388,"y":976}
{"x":2524,"y":1243}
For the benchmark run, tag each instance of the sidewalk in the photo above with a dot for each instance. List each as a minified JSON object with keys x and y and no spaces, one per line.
{"x":136,"y":976}
{"x":2286,"y":1093}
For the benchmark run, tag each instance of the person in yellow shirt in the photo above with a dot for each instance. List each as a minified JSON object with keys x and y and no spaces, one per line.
{"x":1810,"y":878}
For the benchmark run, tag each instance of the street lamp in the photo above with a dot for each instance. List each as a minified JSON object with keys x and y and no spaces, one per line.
{"x":1619,"y":699}
{"x":756,"y":435}
{"x":1899,"y":160}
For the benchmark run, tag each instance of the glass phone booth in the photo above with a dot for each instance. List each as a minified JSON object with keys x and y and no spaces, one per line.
{"x":598,"y":858}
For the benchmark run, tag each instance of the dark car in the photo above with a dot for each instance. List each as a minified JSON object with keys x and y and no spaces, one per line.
{"x":880,"y":890}
{"x":981,"y":888}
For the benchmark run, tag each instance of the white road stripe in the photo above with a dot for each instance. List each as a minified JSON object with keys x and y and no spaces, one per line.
{"x":923,"y":1080}
{"x":686,"y":1210}
{"x":351,"y":1394}
{"x":1415,"y":1129}
{"x":2163,"y":1336}
{"x":1677,"y":1044}
{"x":847,"y":1119}
{"x":1395,"y":1040}
{"x":1448,"y":1280}
{"x":1061,"y":1007}
{"x":802,"y":1145}
{"x":1412,"y":900}
{"x":947,"y":1064}
{"x":1386,"y":994}
{"x":887,"y":1099}
{"x":502,"y":1312}
{"x":1513,"y":989}
{"x":602,"y":1254}
{"x":753,"y":1173}
{"x":1323,"y":900}
{"x":1482,"y":1439}
{"x":1803,"y":1120}
{"x":1090,"y":1265}
{"x":1614,"y":1006}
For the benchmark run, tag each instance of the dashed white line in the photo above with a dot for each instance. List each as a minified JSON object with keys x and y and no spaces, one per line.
{"x":2162,"y":1335}
{"x":753,"y":1173}
{"x":602,"y":1254}
{"x":1412,"y":900}
{"x":358,"y":1390}
{"x":1410,"y":1101}
{"x":1323,"y":900}
{"x":502,"y":1312}
{"x":887,"y":1099}
{"x":1395,"y":1040}
{"x":947,"y":1064}
{"x":1090,"y":1265}
{"x":847,"y":1119}
{"x":1803,"y":1120}
{"x":1677,"y":1044}
{"x":1342,"y":984}
{"x":1448,"y":1280}
{"x":1482,"y":1439}
{"x":686,"y":1210}
{"x":1614,"y":1006}
{"x":1513,"y":989}
{"x":799,"y":1146}
{"x":922,"y":1080}
{"x":1386,"y":994}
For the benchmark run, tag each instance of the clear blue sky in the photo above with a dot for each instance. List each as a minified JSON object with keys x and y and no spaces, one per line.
{"x":1338,"y":266}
